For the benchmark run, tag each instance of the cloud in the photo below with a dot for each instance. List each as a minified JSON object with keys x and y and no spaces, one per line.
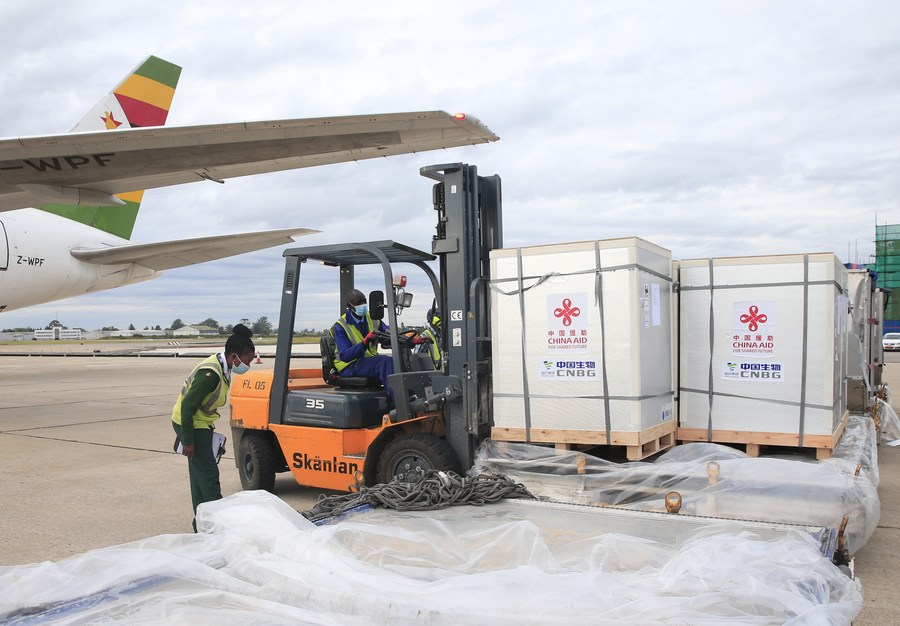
{"x":709,"y":128}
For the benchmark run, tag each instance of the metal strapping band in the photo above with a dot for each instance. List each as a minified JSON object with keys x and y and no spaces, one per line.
{"x":521,"y":293}
{"x":598,"y":397}
{"x":712,"y":338}
{"x":598,"y":289}
{"x":519,"y":279}
{"x":767,"y":400}
{"x":542,"y":278}
{"x":805,"y":347}
{"x":635,"y":266}
{"x":754,"y":285}
{"x":862,"y":365}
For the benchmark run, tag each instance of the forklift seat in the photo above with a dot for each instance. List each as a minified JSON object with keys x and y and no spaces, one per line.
{"x":330,"y":373}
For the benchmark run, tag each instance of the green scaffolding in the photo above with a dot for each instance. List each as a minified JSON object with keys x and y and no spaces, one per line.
{"x":887,"y":264}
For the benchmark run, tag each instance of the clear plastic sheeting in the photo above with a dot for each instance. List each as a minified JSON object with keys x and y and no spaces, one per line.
{"x":858,"y":448}
{"x":889,"y":423}
{"x":256,"y":561}
{"x":713,"y":481}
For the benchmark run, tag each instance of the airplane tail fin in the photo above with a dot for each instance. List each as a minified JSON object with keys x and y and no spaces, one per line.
{"x":142,"y":99}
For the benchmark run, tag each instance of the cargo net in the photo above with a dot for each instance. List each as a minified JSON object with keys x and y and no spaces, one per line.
{"x":422,"y":491}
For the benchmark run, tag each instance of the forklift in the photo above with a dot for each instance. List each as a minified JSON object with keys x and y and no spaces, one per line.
{"x":336,"y":432}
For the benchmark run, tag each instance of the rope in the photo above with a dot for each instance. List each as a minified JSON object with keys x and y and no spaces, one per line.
{"x":431,"y":490}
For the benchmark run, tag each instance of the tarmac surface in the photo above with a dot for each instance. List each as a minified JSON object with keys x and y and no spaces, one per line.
{"x":86,"y":456}
{"x":86,"y":461}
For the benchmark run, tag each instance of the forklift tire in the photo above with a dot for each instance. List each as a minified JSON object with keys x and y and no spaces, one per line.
{"x":412,"y":451}
{"x":256,"y":463}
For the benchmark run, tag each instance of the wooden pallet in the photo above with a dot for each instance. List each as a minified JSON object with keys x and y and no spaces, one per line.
{"x":823,"y":445}
{"x":638,"y":444}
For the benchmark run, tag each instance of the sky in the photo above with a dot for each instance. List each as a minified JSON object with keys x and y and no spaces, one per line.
{"x":708,"y":128}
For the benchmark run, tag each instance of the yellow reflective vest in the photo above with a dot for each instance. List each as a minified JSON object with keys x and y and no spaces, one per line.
{"x":207,"y":412}
{"x":355,"y":337}
{"x":433,"y":349}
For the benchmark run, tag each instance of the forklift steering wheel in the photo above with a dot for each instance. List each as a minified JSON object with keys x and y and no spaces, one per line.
{"x":405,"y":337}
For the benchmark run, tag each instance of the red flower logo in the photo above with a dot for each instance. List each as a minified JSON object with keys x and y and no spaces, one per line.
{"x":754,"y":319}
{"x":567,"y":312}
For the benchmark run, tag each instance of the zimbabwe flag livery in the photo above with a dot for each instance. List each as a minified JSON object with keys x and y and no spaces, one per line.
{"x":146,"y":95}
{"x":142,"y":99}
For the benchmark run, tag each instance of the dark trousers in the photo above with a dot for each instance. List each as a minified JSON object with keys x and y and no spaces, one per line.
{"x":378,"y":366}
{"x":202,"y":469}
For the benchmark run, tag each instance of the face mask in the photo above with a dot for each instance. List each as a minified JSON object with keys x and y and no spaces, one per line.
{"x":361,"y":309}
{"x":240,"y":368}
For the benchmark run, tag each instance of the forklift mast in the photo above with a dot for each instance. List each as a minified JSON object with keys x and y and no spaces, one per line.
{"x":469,"y":226}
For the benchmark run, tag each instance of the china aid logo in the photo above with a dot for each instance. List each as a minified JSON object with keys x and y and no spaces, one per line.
{"x":753,"y":318}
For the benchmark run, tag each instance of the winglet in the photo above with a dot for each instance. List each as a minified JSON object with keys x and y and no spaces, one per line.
{"x":143,"y":98}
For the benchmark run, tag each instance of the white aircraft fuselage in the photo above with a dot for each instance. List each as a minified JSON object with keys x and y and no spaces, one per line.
{"x":36,"y":264}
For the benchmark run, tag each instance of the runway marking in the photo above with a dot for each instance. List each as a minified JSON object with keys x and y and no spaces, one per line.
{"x":117,"y":419}
{"x":100,"y":445}
{"x":100,"y":400}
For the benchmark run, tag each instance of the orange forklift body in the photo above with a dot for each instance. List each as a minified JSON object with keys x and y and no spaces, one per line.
{"x":327,"y":458}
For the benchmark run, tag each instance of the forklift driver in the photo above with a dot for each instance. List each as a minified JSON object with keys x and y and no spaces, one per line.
{"x":357,"y":345}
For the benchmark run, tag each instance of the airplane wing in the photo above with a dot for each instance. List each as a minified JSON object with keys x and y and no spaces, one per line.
{"x":89,"y":168}
{"x":166,"y":255}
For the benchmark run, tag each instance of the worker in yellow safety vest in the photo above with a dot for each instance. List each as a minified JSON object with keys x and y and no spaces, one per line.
{"x":195,"y":412}
{"x":432,"y":337}
{"x":356,"y":344}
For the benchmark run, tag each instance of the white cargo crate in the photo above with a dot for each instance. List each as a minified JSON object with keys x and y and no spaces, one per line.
{"x":763,"y":350}
{"x":582,"y":343}
{"x":859,"y":340}
{"x":877,"y":348}
{"x":859,"y":290}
